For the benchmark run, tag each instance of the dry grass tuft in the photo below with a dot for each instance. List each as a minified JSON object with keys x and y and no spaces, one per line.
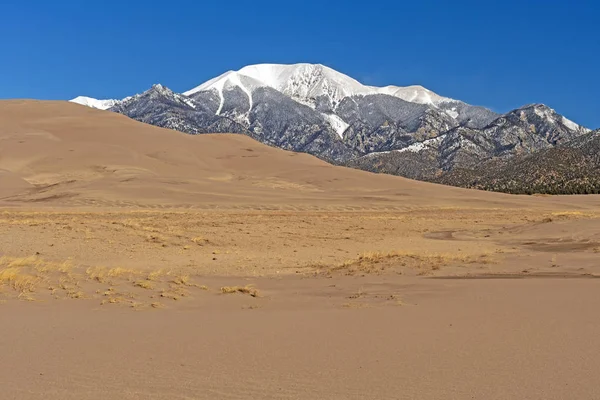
{"x":145,"y":285}
{"x":200,"y":241}
{"x":104,"y":274}
{"x":182,"y":280}
{"x":155,"y":275}
{"x":36,"y":263}
{"x":26,"y":296}
{"x":377,"y":262}
{"x":20,"y":262}
{"x":120,"y":272}
{"x":185,"y":280}
{"x":97,"y":274}
{"x":75,"y":294}
{"x":114,"y":300}
{"x":18,"y":280}
{"x":248,"y":289}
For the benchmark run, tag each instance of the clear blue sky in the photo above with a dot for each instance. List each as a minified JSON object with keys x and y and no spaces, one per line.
{"x":498,"y":54}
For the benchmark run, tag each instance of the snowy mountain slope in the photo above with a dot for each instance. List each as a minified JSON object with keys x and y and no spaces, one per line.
{"x":302,"y":82}
{"x":526,"y":130}
{"x":413,"y":94}
{"x":409,"y":131}
{"x":330,"y":92}
{"x":94,"y":103}
{"x":274,"y":118}
{"x":307,"y":82}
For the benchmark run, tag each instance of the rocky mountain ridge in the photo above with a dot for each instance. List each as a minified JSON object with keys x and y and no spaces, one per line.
{"x":408,"y":131}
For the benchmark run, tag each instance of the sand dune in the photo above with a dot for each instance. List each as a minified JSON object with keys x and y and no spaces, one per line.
{"x":75,"y":155}
{"x":142,"y":263}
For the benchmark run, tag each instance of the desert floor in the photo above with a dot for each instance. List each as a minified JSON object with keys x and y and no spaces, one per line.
{"x":131,"y":269}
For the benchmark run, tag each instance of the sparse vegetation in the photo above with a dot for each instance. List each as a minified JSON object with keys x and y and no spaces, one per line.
{"x":26,"y":275}
{"x":571,"y":168}
{"x":145,"y":284}
{"x":182,"y":280}
{"x":200,"y":241}
{"x":248,"y":289}
{"x":378,"y":262}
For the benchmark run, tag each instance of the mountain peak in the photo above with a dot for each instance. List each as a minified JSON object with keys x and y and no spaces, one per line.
{"x":549,"y":115}
{"x":158,"y":91}
{"x":307,"y":82}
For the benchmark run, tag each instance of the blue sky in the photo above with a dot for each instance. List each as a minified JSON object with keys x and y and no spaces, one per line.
{"x":498,"y":54}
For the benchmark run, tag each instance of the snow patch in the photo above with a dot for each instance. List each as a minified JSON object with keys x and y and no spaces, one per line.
{"x":413,"y":148}
{"x":188,"y":102}
{"x":570,"y":124}
{"x":545,"y":113}
{"x":413,"y":94}
{"x":94,"y":103}
{"x":452,"y":112}
{"x":417,"y":147}
{"x":336,"y":123}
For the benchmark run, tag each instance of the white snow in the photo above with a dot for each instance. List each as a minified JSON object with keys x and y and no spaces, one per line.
{"x":228,"y":80}
{"x":537,"y":112}
{"x":414,"y":148}
{"x":550,"y":115}
{"x":187,"y":101}
{"x":417,"y":147}
{"x":413,"y":94}
{"x":570,"y":124}
{"x":94,"y":103}
{"x":452,"y":112}
{"x":337,"y":123}
{"x":305,"y":82}
{"x":544,"y":112}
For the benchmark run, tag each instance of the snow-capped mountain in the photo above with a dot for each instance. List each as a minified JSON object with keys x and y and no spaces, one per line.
{"x":310,"y":84}
{"x":325,"y":90}
{"x":302,"y":82}
{"x":94,"y":103}
{"x":312,"y":108}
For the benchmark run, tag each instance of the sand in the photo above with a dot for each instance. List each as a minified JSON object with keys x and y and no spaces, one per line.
{"x":141,"y":263}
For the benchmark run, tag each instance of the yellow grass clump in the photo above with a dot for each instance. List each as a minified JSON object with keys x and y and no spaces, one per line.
{"x":377,"y":262}
{"x":182,"y":280}
{"x":145,"y":284}
{"x":248,"y":289}
{"x":200,"y":241}
{"x":18,"y":280}
{"x":102,"y":274}
{"x":155,"y":275}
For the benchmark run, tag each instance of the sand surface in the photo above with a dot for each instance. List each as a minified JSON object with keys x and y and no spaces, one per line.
{"x":141,"y":263}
